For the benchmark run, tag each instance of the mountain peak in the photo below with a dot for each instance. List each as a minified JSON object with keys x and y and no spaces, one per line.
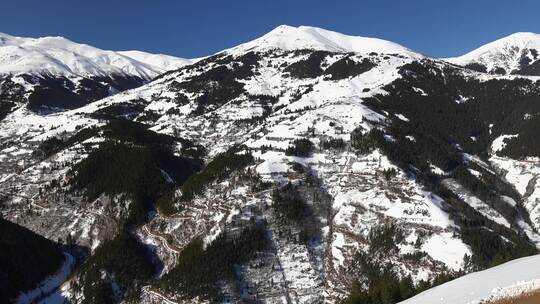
{"x":60,"y":56}
{"x":289,"y":38}
{"x":518,"y":53}
{"x":523,"y":36}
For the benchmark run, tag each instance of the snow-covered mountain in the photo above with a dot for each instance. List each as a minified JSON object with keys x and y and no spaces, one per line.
{"x":518,"y":54}
{"x":289,"y":38}
{"x":61,"y":57}
{"x":52,"y":74}
{"x":339,"y":167}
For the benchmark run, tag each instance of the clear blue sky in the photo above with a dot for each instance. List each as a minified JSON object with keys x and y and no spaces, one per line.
{"x":190,"y":28}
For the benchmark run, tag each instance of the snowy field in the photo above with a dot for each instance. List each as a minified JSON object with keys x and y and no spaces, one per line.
{"x":510,"y":279}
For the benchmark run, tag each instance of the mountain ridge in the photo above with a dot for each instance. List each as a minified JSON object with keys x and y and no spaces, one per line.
{"x":60,"y":56}
{"x":517,"y":53}
{"x":289,"y":38}
{"x":369,"y":174}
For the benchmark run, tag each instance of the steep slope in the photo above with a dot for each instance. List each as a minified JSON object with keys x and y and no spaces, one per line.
{"x":339,"y":167}
{"x":504,"y":281}
{"x":160,"y":62}
{"x":52,"y":73}
{"x":25,"y":260}
{"x":517,"y":54}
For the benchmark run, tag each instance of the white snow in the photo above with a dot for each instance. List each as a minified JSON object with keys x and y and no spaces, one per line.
{"x":160,"y":61}
{"x":523,"y":175}
{"x":60,"y":56}
{"x":402,"y":117}
{"x":447,"y":249}
{"x":499,"y":144}
{"x":505,"y":52}
{"x":475,"y":202}
{"x":418,"y":90}
{"x":508,"y":279}
{"x":461,"y":99}
{"x":306,"y":37}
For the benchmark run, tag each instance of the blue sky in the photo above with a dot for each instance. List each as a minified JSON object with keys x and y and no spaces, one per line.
{"x":191,"y":28}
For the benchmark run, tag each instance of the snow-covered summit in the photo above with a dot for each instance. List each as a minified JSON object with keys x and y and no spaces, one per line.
{"x":60,"y":56}
{"x":506,"y":55}
{"x":306,"y":37}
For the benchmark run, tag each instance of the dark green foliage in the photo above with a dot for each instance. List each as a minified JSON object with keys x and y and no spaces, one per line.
{"x":227,"y":88}
{"x":346,"y":67}
{"x":302,"y":147}
{"x":26,"y":259}
{"x":484,"y":236}
{"x":118,"y":82}
{"x":219,"y":84}
{"x":219,"y":168}
{"x":59,"y":93}
{"x":382,"y":285}
{"x":56,"y":93}
{"x":489,"y":249}
{"x":10,"y":94}
{"x":301,"y":91}
{"x":6,"y":107}
{"x":473,"y":183}
{"x":389,"y":173}
{"x":124,"y":110}
{"x":528,"y":68}
{"x":298,"y":167}
{"x":53,"y":145}
{"x":166,"y":204}
{"x":134,"y":162}
{"x":526,"y":143}
{"x":415,"y":257}
{"x":384,"y":239}
{"x":440,"y":140}
{"x":333,"y":143}
{"x":433,"y":116}
{"x":125,"y":131}
{"x":365,"y":143}
{"x":124,"y":261}
{"x":118,"y":168}
{"x":308,"y":68}
{"x":289,"y":204}
{"x":139,"y":134}
{"x":199,"y":269}
{"x":477,"y":67}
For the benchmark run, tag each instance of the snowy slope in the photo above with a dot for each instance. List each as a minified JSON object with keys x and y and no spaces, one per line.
{"x":159,"y":61}
{"x":60,"y":56}
{"x":510,"y":53}
{"x":509,"y":279}
{"x":254,"y":99}
{"x":306,"y":37}
{"x":332,"y":108}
